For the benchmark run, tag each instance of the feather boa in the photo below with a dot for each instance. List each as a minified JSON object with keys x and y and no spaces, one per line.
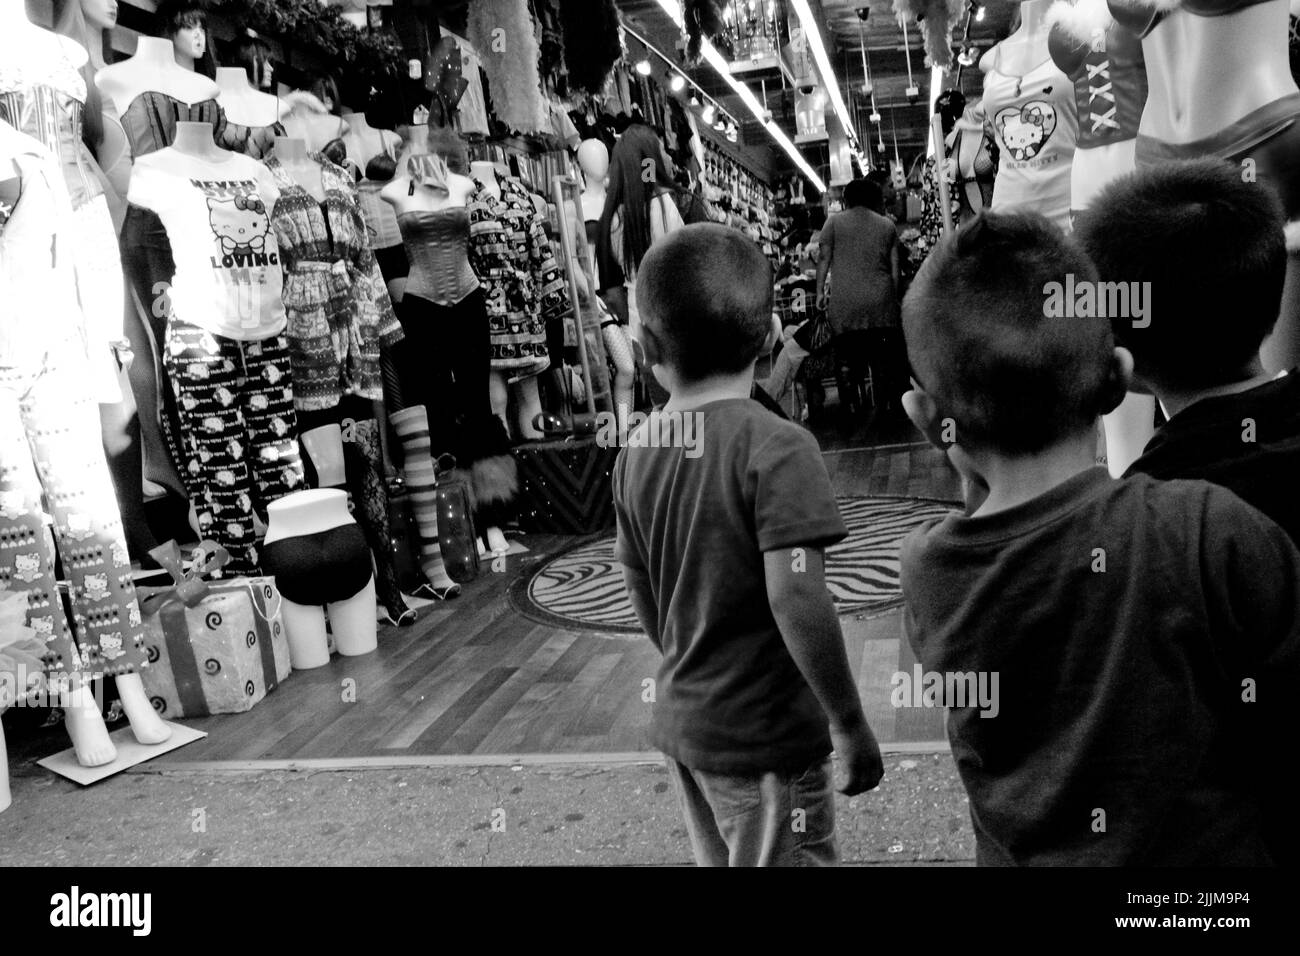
{"x":938,"y":18}
{"x":591,"y":37}
{"x":1080,"y":20}
{"x":502,"y":34}
{"x":301,"y":103}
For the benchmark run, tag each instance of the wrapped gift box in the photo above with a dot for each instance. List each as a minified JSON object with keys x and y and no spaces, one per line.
{"x":220,"y":657}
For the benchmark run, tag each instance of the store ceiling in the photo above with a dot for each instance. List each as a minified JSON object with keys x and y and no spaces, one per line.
{"x":906,"y":120}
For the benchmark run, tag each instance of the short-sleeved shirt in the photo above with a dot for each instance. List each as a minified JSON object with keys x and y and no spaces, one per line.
{"x":1121,"y":618}
{"x":862,"y":294}
{"x":1248,"y":442}
{"x":729,"y":697}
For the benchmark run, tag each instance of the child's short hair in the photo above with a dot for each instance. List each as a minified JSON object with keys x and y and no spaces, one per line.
{"x":708,"y":289}
{"x":981,"y":343}
{"x":1212,"y":247}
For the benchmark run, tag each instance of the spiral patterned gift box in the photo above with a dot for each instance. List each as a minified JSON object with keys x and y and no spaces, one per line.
{"x":220,"y":657}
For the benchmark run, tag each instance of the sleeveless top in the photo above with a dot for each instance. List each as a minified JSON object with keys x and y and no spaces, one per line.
{"x":47,"y":105}
{"x":1034,"y":121}
{"x":150,"y":121}
{"x":1141,"y":18}
{"x":381,"y":220}
{"x":1110,"y":83}
{"x":438,"y":246}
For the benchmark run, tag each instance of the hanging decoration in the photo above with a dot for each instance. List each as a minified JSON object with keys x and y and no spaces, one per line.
{"x":501,"y":32}
{"x":936,"y":19}
{"x":703,"y":22}
{"x":371,"y":56}
{"x":591,"y":39}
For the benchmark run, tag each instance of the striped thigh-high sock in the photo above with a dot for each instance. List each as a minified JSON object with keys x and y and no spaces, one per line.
{"x":412,"y":427}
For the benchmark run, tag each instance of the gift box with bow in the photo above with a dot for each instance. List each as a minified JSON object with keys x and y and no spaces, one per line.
{"x":215,"y":647}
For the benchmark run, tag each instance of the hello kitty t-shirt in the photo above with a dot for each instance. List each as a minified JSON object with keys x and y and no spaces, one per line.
{"x":216,"y":214}
{"x":1036,"y":126}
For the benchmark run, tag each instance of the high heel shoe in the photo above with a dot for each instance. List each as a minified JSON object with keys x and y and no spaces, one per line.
{"x":402,"y":618}
{"x":429,"y":592}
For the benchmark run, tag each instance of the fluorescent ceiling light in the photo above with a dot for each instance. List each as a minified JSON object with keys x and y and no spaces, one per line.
{"x":719,"y":64}
{"x":814,"y":37}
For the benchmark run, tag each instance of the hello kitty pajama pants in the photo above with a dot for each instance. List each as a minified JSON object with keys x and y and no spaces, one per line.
{"x":50,"y":448}
{"x":235,"y":402}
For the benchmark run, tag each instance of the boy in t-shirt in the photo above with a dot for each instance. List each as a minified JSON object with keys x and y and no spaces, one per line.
{"x":1211,"y":250}
{"x":723,"y":511}
{"x":1141,"y":636}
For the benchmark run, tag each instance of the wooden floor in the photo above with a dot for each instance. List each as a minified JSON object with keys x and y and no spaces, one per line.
{"x":474,"y":676}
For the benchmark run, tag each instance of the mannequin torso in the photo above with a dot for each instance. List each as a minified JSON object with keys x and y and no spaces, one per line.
{"x":293,"y":157}
{"x":307,"y":512}
{"x":243,"y":104}
{"x":365,"y":142}
{"x":1023,"y":50}
{"x":153,"y":69}
{"x":307,"y":119}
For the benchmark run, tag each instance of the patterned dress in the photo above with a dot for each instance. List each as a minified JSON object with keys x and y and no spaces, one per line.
{"x":523,"y":285}
{"x":337,"y":302}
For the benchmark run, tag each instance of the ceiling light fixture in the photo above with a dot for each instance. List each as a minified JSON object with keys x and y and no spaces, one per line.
{"x":720,"y":66}
{"x":813,"y":34}
{"x":708,"y":114}
{"x":643,"y":66}
{"x":677,"y":83}
{"x":979,"y":13}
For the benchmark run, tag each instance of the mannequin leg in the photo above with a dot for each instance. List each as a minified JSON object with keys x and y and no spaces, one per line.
{"x":370,"y":502}
{"x":1128,"y":429}
{"x":120,"y":431}
{"x":412,"y":427}
{"x":619,"y":349}
{"x":529,"y":407}
{"x":304,"y":626}
{"x":85,"y":724}
{"x":146,"y":724}
{"x":499,"y":395}
{"x":353,"y":622}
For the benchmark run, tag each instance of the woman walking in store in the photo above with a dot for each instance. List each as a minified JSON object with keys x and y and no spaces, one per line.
{"x":859,"y":253}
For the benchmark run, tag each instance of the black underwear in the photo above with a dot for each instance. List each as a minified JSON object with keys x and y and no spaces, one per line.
{"x":393,"y":262}
{"x":320,"y":568}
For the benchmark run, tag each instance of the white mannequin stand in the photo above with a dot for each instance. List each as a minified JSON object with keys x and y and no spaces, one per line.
{"x":243,"y":104}
{"x":352,"y":620}
{"x":526,"y":395}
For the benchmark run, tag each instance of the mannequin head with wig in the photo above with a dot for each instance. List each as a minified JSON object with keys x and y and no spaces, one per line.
{"x":88,"y":21}
{"x":185,"y":24}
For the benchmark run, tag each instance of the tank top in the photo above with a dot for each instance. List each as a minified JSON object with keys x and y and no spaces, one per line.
{"x":1036,"y":126}
{"x":438,"y":246}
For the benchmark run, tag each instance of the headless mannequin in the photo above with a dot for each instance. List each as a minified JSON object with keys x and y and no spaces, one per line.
{"x":352,"y":621}
{"x":302,"y":169}
{"x":400,"y":195}
{"x":1206,"y":73}
{"x":153,"y":69}
{"x":365,"y":142}
{"x":1024,"y":49}
{"x":316,"y":127}
{"x":243,"y":104}
{"x":527,"y":399}
{"x":593,"y":160}
{"x":195,"y":139}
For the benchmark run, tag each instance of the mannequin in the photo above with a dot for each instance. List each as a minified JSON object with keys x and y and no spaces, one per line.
{"x":51,"y":457}
{"x":1030,"y":107}
{"x":365,"y":142}
{"x":44,"y":78}
{"x":442,"y":311}
{"x":150,"y":93}
{"x":1221,"y":85}
{"x":318,"y":556}
{"x":204,"y":233}
{"x":593,"y":160}
{"x":339,"y":318}
{"x":308,"y":118}
{"x":252,"y":118}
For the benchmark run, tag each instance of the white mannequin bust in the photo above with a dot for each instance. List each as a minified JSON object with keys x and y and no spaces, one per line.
{"x":486,"y":173}
{"x":195,"y":139}
{"x":243,"y":104}
{"x":24,"y":43}
{"x":153,"y":69}
{"x":1027,"y":47}
{"x":365,"y":142}
{"x":593,"y":159}
{"x":302,"y":169}
{"x":425,"y":198}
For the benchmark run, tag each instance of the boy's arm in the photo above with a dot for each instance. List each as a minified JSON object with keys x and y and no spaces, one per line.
{"x":642,"y":599}
{"x":805,"y":615}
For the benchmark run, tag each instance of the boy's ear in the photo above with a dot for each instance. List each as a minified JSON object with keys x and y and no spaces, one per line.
{"x":645,"y":347}
{"x":1119,"y":379}
{"x":924,"y":413}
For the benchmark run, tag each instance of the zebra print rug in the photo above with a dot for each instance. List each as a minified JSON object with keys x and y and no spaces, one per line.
{"x":582,"y":587}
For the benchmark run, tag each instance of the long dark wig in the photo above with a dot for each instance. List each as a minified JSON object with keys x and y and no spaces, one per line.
{"x":638,"y":171}
{"x":591,"y":31}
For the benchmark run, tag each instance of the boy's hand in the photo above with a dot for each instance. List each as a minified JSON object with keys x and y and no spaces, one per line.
{"x":860,"y":765}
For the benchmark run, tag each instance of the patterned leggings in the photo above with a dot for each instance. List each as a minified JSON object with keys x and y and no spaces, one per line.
{"x":237,"y":420}
{"x":50,"y":445}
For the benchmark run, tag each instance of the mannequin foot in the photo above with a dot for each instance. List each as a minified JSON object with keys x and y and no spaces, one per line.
{"x":397,"y":614}
{"x":496,"y":540}
{"x":89,"y":735}
{"x":149,"y":728}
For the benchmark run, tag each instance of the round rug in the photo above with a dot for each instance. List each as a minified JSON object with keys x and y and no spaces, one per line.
{"x":582,"y":587}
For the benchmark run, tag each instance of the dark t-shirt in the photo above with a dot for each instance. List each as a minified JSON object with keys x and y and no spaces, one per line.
{"x":862,"y":294}
{"x":1119,"y":690}
{"x":1208,"y":440}
{"x":729,"y":698}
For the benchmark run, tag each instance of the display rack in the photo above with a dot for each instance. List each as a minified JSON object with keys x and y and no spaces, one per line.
{"x":566,"y":194}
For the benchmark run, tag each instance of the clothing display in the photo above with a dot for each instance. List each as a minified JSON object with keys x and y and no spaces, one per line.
{"x":50,"y":450}
{"x":382,"y":231}
{"x":339,"y":313}
{"x":1033,"y":120}
{"x":438,"y":247}
{"x":321,"y":568}
{"x":254,"y":141}
{"x":522,"y":282}
{"x":150,"y":120}
{"x":47,"y":104}
{"x":412,"y":428}
{"x":237,"y":421}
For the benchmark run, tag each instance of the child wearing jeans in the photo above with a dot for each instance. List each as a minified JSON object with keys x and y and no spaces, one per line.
{"x":1145,"y":634}
{"x":721,"y":545}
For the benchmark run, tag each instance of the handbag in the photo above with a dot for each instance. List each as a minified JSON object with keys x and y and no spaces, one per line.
{"x":817,"y":337}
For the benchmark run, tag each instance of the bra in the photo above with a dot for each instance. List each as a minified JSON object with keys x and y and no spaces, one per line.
{"x":1142,"y":18}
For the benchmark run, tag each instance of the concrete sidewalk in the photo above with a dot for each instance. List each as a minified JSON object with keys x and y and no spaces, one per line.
{"x":588,"y":814}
